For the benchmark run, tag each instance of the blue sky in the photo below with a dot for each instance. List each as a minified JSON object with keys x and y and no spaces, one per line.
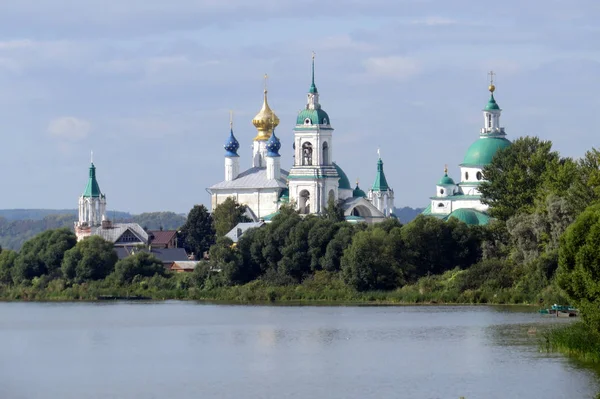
{"x":148,"y":85}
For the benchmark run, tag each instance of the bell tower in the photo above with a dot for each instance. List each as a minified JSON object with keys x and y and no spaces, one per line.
{"x":313,"y":179}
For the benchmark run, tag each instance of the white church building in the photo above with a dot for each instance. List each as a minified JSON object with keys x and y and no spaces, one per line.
{"x":463,"y":200}
{"x":313,"y":178}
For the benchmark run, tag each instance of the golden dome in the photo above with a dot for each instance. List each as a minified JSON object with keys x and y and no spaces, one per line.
{"x":492,"y":88}
{"x":265,"y":121}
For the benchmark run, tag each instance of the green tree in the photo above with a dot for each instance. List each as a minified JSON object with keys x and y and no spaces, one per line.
{"x":371,"y":263}
{"x":336,"y":247}
{"x":514,"y":177}
{"x":197,"y":232}
{"x":141,"y":264}
{"x":434,"y":246}
{"x":334,"y":211}
{"x":228,"y":259}
{"x":7,"y":261}
{"x":579,"y":264}
{"x":43,"y":254}
{"x":227,"y":215}
{"x":93,"y":258}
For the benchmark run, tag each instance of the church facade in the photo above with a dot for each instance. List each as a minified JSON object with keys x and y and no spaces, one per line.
{"x":463,"y":200}
{"x":313,"y":178}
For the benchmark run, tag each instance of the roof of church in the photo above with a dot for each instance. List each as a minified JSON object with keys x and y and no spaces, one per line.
{"x":445,"y":180}
{"x":344,"y":183}
{"x":163,"y":254}
{"x":316,"y":116}
{"x":357,"y":192}
{"x":471,"y":217}
{"x":92,"y":189}
{"x":253,"y":178}
{"x":116,"y":230}
{"x":380,"y":183}
{"x":481,"y":152}
{"x":492,"y":104}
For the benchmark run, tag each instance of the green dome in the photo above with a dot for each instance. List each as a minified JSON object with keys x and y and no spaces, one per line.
{"x":470,"y":217}
{"x":481,"y":152}
{"x":344,"y":182}
{"x":445,"y":180}
{"x":492,"y":105}
{"x":316,"y":116}
{"x":358,"y":193}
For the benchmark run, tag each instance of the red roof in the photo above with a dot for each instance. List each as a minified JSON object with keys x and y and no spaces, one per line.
{"x":162,"y":237}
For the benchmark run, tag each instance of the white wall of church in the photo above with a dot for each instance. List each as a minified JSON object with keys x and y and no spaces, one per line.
{"x":471,"y":175}
{"x":262,"y":202}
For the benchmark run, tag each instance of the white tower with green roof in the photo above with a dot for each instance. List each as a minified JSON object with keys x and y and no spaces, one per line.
{"x":314,"y":178}
{"x":92,"y":205}
{"x":381,"y":194}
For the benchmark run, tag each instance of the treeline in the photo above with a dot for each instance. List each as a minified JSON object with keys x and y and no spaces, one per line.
{"x":13,"y":233}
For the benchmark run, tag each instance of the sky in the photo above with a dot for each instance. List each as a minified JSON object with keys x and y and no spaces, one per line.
{"x":147,"y":85}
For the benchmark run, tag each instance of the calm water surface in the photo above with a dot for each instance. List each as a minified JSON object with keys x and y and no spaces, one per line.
{"x":187,"y":350}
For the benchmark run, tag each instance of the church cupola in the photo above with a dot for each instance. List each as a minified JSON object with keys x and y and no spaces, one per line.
{"x":491,"y":113}
{"x":273,"y":158}
{"x":313,"y":115}
{"x":446,"y":185}
{"x":232,"y":159}
{"x":381,"y":194}
{"x":265,"y":121}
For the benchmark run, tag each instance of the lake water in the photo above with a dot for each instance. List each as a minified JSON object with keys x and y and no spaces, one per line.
{"x":180,"y":350}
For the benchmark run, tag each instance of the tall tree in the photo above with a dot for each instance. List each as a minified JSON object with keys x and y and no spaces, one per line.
{"x":515,"y":176}
{"x":227,"y":215}
{"x":334,"y":211}
{"x":579,"y":264}
{"x":197,"y":232}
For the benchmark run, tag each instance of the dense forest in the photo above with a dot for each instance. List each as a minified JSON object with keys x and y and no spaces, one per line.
{"x":541,"y":248}
{"x":19,"y":225}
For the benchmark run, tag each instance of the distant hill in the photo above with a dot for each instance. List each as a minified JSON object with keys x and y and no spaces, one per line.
{"x":407,"y":214}
{"x":19,"y":225}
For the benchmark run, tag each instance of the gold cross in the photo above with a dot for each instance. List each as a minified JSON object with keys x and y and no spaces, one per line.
{"x":266,"y":77}
{"x":231,"y":119}
{"x":491,"y":75}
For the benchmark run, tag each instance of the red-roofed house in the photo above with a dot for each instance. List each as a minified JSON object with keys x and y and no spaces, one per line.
{"x":163,"y":238}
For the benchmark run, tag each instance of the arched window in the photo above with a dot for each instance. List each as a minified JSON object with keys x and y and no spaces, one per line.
{"x":440,"y":205}
{"x":325,"y":160}
{"x":307,"y":121}
{"x":479,"y":176}
{"x":324,"y":121}
{"x":441,"y":191}
{"x":331,"y":196}
{"x":307,"y":154}
{"x":466,"y":175}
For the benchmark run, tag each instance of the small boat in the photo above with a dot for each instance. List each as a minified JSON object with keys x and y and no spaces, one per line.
{"x":560,"y":311}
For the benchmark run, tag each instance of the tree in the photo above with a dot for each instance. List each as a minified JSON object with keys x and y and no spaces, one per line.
{"x":515,"y":175}
{"x":579,"y":264}
{"x":43,"y":254}
{"x":7,"y":261}
{"x":336,"y":247}
{"x":371,"y":262}
{"x":334,"y":211}
{"x":226,"y":258}
{"x":197,"y":232}
{"x":141,"y":264}
{"x":227,"y":215}
{"x":93,"y":258}
{"x":432,"y":245}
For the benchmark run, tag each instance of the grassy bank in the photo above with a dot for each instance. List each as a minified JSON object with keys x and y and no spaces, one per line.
{"x":576,"y":340}
{"x":322,"y":287}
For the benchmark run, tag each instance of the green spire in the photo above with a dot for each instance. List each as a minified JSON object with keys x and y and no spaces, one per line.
{"x":492,"y":105}
{"x":313,"y":88}
{"x":380,"y":180}
{"x":92,"y":189}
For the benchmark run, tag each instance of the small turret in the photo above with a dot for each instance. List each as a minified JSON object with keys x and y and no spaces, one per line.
{"x":232,"y":159}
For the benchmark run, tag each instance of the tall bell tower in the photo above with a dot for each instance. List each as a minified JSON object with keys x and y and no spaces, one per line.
{"x":313,"y":179}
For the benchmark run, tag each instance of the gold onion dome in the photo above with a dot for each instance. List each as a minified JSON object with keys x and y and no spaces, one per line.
{"x":266,"y":120}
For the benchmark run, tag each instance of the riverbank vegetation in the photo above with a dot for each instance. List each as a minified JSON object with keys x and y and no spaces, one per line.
{"x":541,"y":248}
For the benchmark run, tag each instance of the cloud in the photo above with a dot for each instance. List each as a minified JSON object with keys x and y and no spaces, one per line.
{"x":69,"y":128}
{"x":394,"y":67}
